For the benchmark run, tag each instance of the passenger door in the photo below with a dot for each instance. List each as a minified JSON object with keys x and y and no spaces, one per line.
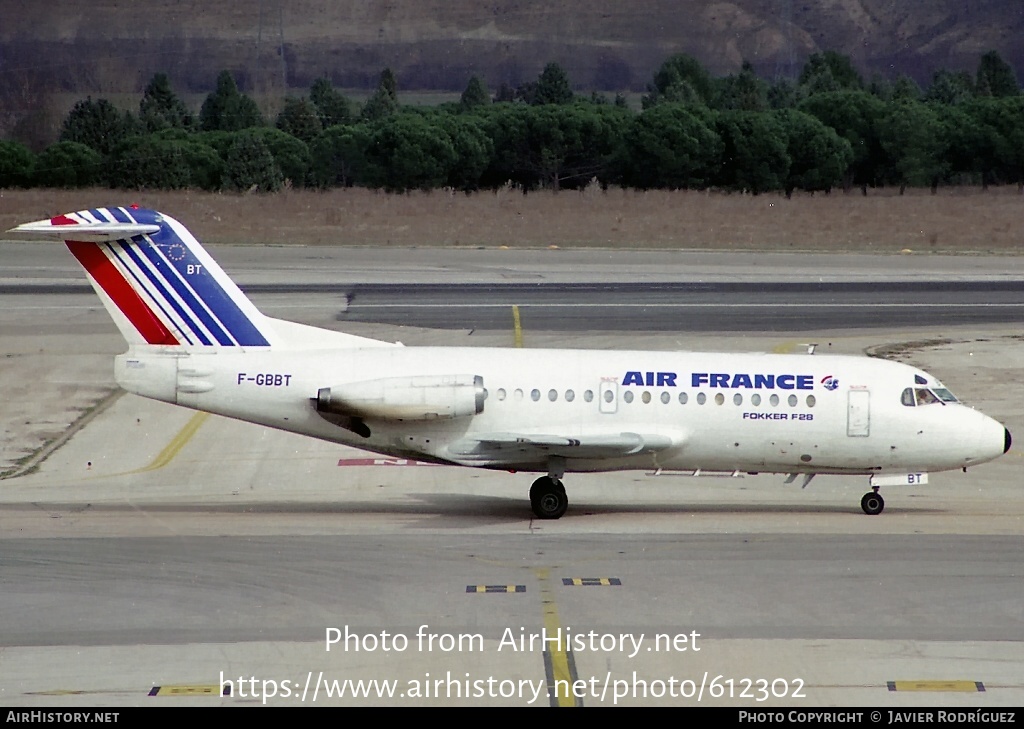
{"x":858,"y":414}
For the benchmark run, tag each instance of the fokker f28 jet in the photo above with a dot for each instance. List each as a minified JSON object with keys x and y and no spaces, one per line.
{"x":195,"y":340}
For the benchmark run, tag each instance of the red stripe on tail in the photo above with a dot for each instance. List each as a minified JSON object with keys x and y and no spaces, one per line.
{"x":103,"y":270}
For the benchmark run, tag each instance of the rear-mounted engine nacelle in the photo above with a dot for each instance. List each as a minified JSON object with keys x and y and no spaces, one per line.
{"x":423,"y":397}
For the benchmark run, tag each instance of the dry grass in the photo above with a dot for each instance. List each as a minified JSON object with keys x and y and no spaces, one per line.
{"x":952,"y":221}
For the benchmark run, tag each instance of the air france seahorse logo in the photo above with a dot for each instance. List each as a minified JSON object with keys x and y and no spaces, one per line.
{"x":830,"y":382}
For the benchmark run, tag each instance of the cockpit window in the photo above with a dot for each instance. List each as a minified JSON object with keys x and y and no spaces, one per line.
{"x":912,"y":396}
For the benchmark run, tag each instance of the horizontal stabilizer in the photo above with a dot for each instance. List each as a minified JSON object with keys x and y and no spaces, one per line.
{"x":98,"y":232}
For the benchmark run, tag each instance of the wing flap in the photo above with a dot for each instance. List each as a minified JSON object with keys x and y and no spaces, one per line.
{"x":610,"y":445}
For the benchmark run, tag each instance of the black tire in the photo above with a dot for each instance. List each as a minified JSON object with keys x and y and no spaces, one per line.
{"x":872,"y":503}
{"x":548,"y":498}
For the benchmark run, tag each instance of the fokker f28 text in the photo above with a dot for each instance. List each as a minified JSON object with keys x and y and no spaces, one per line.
{"x":195,"y":340}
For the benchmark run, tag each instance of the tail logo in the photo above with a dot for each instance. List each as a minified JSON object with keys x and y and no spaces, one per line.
{"x":163,"y":282}
{"x":175,"y":252}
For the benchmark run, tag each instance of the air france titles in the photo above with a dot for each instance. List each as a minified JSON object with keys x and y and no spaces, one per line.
{"x":725,"y":380}
{"x":752,"y":382}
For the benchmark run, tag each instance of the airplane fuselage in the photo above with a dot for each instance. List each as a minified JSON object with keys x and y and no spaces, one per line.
{"x":721,"y":411}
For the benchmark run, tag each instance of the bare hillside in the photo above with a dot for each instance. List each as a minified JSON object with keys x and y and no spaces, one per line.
{"x":111,"y":46}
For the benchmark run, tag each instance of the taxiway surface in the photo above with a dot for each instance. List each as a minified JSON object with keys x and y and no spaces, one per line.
{"x":154,"y":550}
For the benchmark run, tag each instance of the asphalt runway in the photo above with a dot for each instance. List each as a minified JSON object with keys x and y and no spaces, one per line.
{"x":158,"y":551}
{"x":690,"y":307}
{"x":568,"y":291}
{"x":633,"y":307}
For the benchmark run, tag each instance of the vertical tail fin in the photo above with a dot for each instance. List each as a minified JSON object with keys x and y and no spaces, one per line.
{"x":157,"y":282}
{"x":162,"y":288}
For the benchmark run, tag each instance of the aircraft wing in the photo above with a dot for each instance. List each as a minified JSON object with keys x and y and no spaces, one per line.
{"x":525,"y":446}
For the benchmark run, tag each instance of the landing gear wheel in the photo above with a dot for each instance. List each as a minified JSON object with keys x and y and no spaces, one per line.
{"x":548,"y":498}
{"x":872,"y":503}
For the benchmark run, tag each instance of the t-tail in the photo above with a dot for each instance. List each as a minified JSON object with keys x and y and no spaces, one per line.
{"x":163,"y":289}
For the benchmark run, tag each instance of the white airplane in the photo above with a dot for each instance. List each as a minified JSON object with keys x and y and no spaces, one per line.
{"x":195,"y":340}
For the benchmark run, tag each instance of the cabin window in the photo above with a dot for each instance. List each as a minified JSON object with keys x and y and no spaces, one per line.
{"x":588,"y":395}
{"x":701,"y":398}
{"x":646,"y":397}
{"x":501,"y":393}
{"x":518,"y":394}
{"x":811,"y":401}
{"x":608,"y":395}
{"x":552,"y":395}
{"x":665,"y":398}
{"x":628,"y":396}
{"x":792,"y":401}
{"x":774,"y":400}
{"x":570,"y":395}
{"x":682,"y":398}
{"x":719,"y":399}
{"x":737,"y":399}
{"x":486,"y":393}
{"x":755,"y":399}
{"x":535,"y":394}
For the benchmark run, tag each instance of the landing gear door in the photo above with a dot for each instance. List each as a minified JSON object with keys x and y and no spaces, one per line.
{"x":858,"y":414}
{"x":608,"y":396}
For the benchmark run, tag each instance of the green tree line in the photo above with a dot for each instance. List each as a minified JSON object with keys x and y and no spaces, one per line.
{"x":827,"y":129}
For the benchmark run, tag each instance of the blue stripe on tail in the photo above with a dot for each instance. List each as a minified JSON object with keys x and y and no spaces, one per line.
{"x":205,"y":297}
{"x":118,"y":251}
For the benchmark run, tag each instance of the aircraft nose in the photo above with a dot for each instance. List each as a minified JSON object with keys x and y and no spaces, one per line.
{"x":990,"y":439}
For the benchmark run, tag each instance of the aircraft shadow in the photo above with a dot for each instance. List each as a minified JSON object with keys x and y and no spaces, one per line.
{"x":485,"y":509}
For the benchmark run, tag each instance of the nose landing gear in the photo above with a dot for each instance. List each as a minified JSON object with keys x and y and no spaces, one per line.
{"x":872,"y":503}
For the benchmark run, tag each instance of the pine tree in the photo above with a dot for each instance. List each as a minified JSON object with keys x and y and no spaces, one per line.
{"x":996,"y":77}
{"x":98,"y":124}
{"x":384,"y":101}
{"x":475,"y":94}
{"x":300,"y":119}
{"x":227,"y":109}
{"x":16,"y":162}
{"x":250,"y":167}
{"x":553,"y":86}
{"x":332,"y":106}
{"x":160,"y":108}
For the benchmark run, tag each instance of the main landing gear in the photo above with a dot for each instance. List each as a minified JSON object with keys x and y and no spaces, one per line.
{"x":872,"y":503}
{"x":548,"y":497}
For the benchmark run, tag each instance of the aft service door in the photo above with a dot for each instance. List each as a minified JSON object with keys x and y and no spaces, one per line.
{"x":858,"y":414}
{"x":608,"y":396}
